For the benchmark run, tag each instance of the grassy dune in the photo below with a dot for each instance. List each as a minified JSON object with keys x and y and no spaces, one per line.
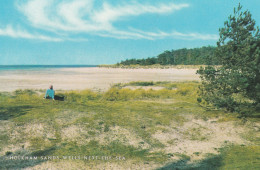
{"x":145,"y":127}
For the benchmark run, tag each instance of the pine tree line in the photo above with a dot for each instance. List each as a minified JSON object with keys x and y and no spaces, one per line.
{"x":195,"y":56}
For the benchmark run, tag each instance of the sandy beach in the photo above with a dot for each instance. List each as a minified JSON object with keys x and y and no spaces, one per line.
{"x":94,"y":78}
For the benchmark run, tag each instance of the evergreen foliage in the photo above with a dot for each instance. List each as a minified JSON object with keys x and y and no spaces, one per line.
{"x":195,"y":56}
{"x":234,"y":85}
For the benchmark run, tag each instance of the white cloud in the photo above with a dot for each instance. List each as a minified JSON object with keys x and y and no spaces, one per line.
{"x":177,"y":35}
{"x":110,"y":13}
{"x":139,"y":34}
{"x":72,"y":12}
{"x":9,"y":31}
{"x":63,"y":16}
{"x":81,"y":16}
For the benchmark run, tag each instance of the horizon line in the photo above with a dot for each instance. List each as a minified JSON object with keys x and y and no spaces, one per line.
{"x":50,"y":64}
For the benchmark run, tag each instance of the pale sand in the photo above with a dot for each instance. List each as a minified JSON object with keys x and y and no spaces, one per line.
{"x":87,"y":78}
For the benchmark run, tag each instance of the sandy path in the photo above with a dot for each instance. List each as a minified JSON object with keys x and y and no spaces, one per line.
{"x":87,"y":78}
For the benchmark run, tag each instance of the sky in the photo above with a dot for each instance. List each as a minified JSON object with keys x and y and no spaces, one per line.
{"x":92,"y":32}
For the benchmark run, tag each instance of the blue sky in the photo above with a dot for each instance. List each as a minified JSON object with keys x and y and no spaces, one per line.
{"x":108,"y":31}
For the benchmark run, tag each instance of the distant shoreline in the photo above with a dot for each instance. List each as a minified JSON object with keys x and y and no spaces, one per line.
{"x":15,"y":67}
{"x":154,"y":66}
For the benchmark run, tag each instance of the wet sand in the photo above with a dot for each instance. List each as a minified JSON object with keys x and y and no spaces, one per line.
{"x":87,"y":78}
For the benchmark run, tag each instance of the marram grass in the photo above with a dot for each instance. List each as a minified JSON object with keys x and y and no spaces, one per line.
{"x":46,"y":127}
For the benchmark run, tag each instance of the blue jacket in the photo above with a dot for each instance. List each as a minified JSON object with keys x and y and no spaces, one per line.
{"x":50,"y":93}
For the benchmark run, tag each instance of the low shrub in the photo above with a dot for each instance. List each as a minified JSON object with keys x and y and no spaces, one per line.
{"x":142,"y":83}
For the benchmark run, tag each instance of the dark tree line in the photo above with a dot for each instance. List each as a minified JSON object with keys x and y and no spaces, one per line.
{"x":195,"y":56}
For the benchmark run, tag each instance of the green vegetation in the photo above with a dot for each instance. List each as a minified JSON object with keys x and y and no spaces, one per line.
{"x":230,"y":157}
{"x":240,"y":157}
{"x":236,"y":84}
{"x":118,"y":122}
{"x":195,"y":56}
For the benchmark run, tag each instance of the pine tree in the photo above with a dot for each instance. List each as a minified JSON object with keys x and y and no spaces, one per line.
{"x":236,"y":81}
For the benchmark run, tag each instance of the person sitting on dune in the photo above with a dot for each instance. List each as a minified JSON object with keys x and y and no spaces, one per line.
{"x":50,"y":93}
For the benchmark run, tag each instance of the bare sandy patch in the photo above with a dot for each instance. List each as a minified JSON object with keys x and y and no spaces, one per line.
{"x":201,"y":137}
{"x":102,"y":165}
{"x":123,"y":135}
{"x":82,"y":136}
{"x":74,"y":133}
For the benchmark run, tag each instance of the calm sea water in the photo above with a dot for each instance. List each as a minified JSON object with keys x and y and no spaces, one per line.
{"x":40,"y":67}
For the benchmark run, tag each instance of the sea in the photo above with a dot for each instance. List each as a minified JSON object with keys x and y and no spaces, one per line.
{"x":40,"y":67}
